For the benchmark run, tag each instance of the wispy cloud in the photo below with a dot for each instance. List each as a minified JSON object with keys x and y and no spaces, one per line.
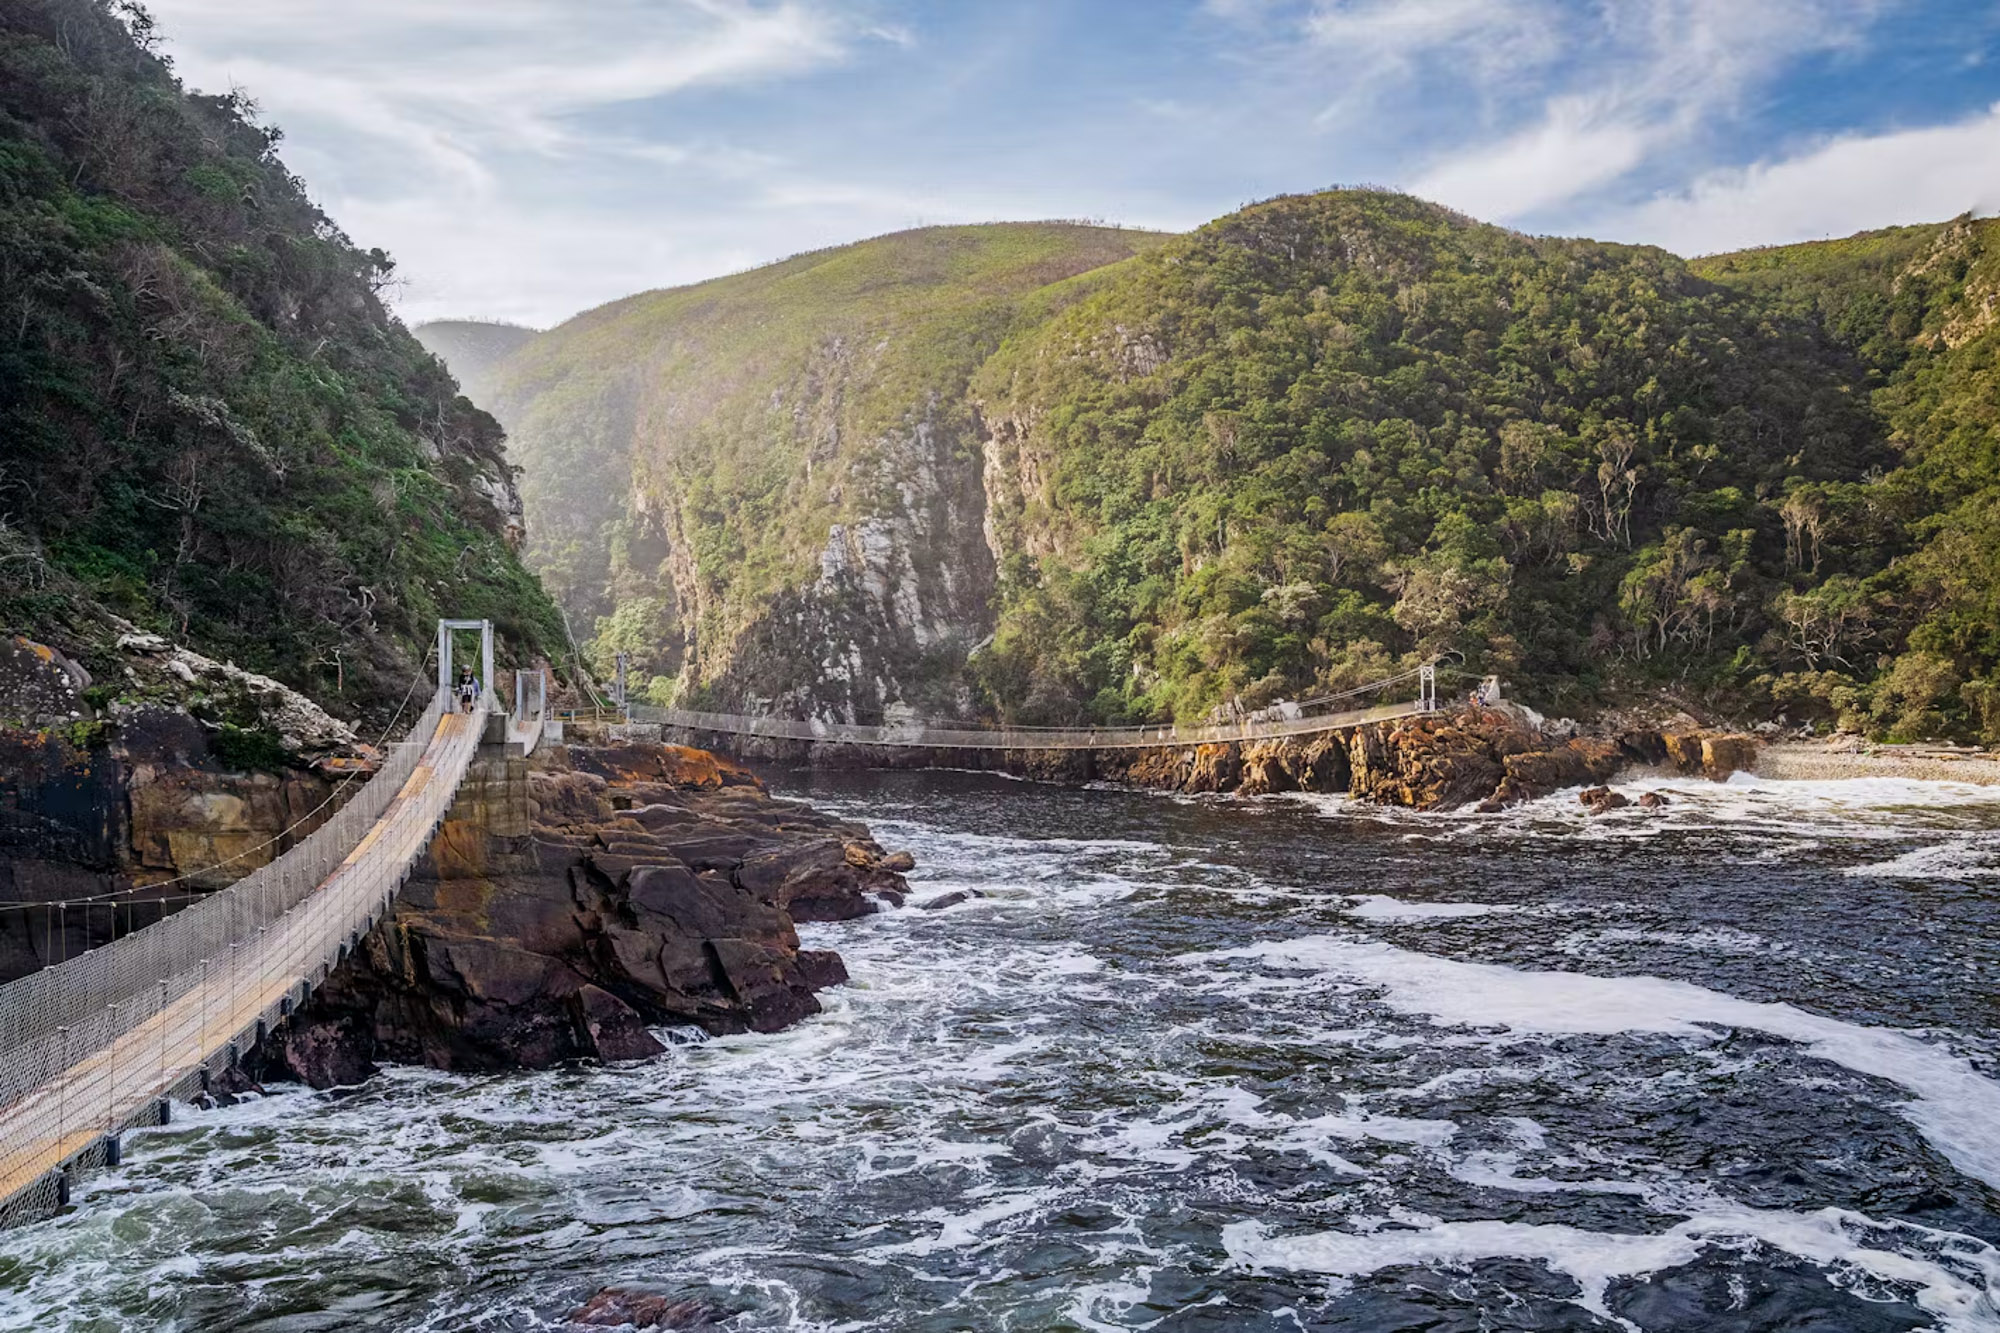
{"x":529,"y":158}
{"x":1528,"y":105}
{"x":1848,"y":184}
{"x":1573,"y":149}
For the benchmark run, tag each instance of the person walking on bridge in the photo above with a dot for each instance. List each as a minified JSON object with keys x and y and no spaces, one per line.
{"x":468,"y":689}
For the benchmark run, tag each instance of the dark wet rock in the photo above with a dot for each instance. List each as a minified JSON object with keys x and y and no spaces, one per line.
{"x":618,"y":1307}
{"x":1600,"y":799}
{"x":944,"y":900}
{"x":1654,"y":800}
{"x":569,"y":903}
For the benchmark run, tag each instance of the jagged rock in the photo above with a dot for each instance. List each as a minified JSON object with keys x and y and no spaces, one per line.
{"x":1653,"y":800}
{"x":40,"y":687}
{"x":1434,"y":762}
{"x":1713,"y":756}
{"x":1643,"y":747}
{"x":1600,"y":799}
{"x":1724,"y":755}
{"x":568,"y":903}
{"x":90,"y":805}
{"x":1683,"y":750}
{"x":617,"y":1307}
{"x":944,"y":900}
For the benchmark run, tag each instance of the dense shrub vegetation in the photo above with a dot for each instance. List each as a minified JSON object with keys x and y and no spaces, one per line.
{"x":1333,"y":434}
{"x":208,"y":422}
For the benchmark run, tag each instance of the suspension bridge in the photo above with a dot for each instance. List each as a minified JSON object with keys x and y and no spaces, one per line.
{"x":1286,"y":721}
{"x":108,"y":1040}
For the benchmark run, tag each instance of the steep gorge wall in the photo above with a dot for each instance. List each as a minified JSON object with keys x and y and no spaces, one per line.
{"x":769,"y":489}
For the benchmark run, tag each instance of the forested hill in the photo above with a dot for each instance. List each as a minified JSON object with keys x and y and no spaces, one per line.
{"x":767,"y":486}
{"x":1298,"y":449}
{"x":1334,"y":433}
{"x":212,"y":426}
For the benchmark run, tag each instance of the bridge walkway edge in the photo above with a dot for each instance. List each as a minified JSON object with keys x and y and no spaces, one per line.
{"x":118,"y":1082}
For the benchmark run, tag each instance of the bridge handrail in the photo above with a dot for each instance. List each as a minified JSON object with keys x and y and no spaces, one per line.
{"x":75,"y":1087}
{"x":919,"y":736}
{"x":63,"y":996}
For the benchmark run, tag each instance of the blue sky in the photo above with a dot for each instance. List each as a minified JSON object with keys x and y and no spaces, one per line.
{"x":527,"y":159}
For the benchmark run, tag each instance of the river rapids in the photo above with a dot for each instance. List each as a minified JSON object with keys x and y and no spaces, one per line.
{"x":1285,"y":1064}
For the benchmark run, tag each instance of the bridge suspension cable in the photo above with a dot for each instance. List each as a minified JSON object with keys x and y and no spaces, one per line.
{"x":102,"y":1041}
{"x":958,"y":736}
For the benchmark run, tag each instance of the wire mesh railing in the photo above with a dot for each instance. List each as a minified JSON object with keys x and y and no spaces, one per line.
{"x":920,"y":735}
{"x":95,"y":1043}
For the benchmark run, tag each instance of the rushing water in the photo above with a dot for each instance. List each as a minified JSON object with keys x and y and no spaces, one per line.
{"x":1270,"y":1065}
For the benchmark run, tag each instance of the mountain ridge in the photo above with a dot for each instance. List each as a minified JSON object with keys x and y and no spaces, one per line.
{"x":1600,"y":470}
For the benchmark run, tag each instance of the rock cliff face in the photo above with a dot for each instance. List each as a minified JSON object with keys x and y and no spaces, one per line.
{"x":767,"y":489}
{"x":570,"y":903}
{"x":189,"y":776}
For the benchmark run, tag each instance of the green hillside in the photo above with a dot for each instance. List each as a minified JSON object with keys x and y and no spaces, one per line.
{"x":212,"y":425}
{"x":1300,"y":448}
{"x":472,"y":349}
{"x":1334,"y":434}
{"x":1901,"y":628}
{"x":768,"y":486}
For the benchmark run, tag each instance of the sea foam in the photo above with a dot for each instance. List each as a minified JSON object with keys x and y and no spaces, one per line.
{"x":1956,"y":1283}
{"x":1956,"y":1108}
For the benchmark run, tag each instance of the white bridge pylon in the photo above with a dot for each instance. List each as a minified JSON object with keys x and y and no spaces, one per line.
{"x":104,"y":1041}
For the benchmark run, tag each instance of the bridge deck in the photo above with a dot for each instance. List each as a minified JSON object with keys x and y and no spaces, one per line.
{"x":90,"y":1079}
{"x":914,"y":736}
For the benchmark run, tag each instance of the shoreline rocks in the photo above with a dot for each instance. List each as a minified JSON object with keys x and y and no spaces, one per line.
{"x":1489,"y":758}
{"x":574,"y":901}
{"x":149,"y":797}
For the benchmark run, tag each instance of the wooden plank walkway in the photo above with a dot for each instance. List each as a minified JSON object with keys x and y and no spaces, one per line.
{"x":122,"y":1081}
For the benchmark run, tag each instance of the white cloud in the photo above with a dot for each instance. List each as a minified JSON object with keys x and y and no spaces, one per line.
{"x":1554,"y":104}
{"x":529,"y":158}
{"x":1570,"y":152}
{"x":475,"y":141}
{"x":1842,"y":186}
{"x":502,"y":74}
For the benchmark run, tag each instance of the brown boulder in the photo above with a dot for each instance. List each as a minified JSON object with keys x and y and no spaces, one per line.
{"x":1724,"y":755}
{"x":1683,"y":751}
{"x":1600,"y":799}
{"x":637,"y":891}
{"x":618,"y":1307}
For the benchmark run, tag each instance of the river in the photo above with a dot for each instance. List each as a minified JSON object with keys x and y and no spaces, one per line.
{"x":1281,"y":1064}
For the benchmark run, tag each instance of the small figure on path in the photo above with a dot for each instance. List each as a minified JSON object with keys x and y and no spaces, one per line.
{"x":468,"y":689}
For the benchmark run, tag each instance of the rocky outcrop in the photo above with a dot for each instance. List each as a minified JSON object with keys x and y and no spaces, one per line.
{"x":570,"y":905}
{"x":150,"y":785}
{"x":1712,"y":756}
{"x":1491,"y":757}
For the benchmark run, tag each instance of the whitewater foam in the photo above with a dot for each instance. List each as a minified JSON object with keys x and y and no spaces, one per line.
{"x":1960,"y":1284}
{"x":1382,"y":907}
{"x":1957,"y":1109}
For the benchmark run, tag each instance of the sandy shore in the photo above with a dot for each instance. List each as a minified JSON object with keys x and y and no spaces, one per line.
{"x":1810,"y":762}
